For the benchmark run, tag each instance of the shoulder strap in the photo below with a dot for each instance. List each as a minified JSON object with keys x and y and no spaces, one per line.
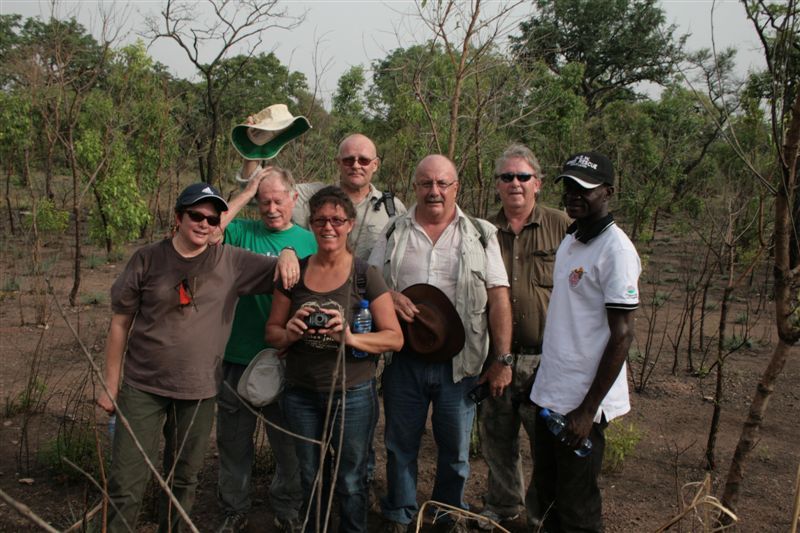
{"x":388,"y":203}
{"x":390,"y":228}
{"x":483,"y":239}
{"x":361,"y":267}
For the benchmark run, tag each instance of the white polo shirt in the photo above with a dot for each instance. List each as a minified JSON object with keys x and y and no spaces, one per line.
{"x":588,"y":278}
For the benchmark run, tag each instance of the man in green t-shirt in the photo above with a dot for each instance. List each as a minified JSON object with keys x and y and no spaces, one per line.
{"x":274,"y":190}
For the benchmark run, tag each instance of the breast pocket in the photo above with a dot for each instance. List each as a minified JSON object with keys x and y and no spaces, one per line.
{"x":543,"y":263}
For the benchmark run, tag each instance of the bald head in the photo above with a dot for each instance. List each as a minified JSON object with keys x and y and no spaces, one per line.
{"x":361,"y":141}
{"x":436,"y":188}
{"x":438,"y":164}
{"x":358,"y":161}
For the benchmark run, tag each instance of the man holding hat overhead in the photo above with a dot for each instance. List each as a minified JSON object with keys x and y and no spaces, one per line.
{"x":529,"y":234}
{"x":273,"y":189}
{"x":464,"y":295}
{"x":586,"y":339}
{"x":357,"y":161}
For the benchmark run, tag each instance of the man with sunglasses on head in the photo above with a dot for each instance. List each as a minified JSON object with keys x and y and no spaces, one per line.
{"x":357,"y":161}
{"x":529,"y":234}
{"x":273,"y":188}
{"x":586,"y":340}
{"x":436,"y":243}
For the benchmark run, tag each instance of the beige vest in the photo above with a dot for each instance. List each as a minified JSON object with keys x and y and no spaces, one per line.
{"x":471,"y":295}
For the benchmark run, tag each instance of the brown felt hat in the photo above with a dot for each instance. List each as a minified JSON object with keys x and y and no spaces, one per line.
{"x":437,"y":333}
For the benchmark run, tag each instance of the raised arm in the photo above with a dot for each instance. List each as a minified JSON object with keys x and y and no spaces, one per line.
{"x":115,"y":348}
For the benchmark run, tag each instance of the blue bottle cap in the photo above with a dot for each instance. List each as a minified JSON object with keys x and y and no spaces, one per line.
{"x":545,"y":412}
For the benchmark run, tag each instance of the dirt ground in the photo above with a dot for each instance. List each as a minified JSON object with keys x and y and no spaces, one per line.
{"x":672,"y":415}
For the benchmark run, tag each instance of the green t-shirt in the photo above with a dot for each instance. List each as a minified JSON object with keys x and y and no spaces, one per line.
{"x":247,"y":334}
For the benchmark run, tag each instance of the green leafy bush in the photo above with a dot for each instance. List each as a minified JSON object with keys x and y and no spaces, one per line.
{"x":621,"y":441}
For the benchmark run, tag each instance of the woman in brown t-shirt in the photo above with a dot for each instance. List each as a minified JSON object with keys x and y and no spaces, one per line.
{"x":323,"y":375}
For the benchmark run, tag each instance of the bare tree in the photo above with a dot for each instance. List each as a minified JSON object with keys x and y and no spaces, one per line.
{"x":231,"y":26}
{"x":778,"y":28}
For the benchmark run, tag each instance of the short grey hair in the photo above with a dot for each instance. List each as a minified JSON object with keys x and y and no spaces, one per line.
{"x":285,"y":176}
{"x":518,"y":151}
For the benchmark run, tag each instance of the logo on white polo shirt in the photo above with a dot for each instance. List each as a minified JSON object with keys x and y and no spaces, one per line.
{"x":575,"y":277}
{"x":631,"y":293}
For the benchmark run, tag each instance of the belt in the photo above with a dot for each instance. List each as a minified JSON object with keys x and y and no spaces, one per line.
{"x":527,"y":350}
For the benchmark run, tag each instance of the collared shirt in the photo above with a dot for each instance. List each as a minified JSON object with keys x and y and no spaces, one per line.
{"x":436,"y":264}
{"x":369,"y":221}
{"x":589,"y":277}
{"x":529,"y":258}
{"x":480,"y":267}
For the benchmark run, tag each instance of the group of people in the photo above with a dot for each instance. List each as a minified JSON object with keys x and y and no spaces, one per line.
{"x":458,"y":306}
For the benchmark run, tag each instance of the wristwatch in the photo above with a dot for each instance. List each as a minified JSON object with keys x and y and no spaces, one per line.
{"x":506,"y":358}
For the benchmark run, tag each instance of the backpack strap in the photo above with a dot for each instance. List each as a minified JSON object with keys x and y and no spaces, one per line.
{"x":361,"y":267}
{"x":390,"y":228}
{"x":481,"y":233}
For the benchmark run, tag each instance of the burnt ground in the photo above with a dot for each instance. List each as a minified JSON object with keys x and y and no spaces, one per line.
{"x":672,"y":414}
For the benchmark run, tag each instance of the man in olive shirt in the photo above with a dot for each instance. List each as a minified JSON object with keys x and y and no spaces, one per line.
{"x":529,"y":235}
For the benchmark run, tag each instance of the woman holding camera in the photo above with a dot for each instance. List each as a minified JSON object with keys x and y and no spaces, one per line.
{"x":330,"y":393}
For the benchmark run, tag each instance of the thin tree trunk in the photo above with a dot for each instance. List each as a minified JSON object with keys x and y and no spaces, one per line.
{"x":76,"y":213}
{"x":752,"y":425}
{"x":786,"y":289}
{"x":8,"y":200}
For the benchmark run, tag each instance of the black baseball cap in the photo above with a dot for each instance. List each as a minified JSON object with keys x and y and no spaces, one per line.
{"x":200,"y":192}
{"x":588,"y":169}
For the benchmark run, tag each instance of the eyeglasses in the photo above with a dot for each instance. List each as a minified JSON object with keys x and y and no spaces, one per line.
{"x":350,"y":160}
{"x":321,"y":222}
{"x":508,"y":177}
{"x":196,"y":216}
{"x":441,"y":184}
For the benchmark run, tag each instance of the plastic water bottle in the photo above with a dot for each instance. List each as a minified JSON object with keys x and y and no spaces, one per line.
{"x":112,"y":427}
{"x":556,"y":423}
{"x":362,"y":323}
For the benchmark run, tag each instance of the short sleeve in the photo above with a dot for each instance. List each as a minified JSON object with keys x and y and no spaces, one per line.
{"x":376,"y":257}
{"x":233,"y":232}
{"x":399,"y":207}
{"x":126,"y":292}
{"x":620,"y":279}
{"x":304,"y":193}
{"x":376,"y":285}
{"x":253,"y":272}
{"x":496,"y":275}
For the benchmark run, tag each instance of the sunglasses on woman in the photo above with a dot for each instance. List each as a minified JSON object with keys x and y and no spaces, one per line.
{"x":196,"y":216}
{"x":508,"y":177}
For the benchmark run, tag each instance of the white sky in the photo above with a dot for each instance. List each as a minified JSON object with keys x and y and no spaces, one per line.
{"x":338,"y":34}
